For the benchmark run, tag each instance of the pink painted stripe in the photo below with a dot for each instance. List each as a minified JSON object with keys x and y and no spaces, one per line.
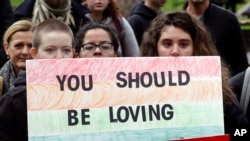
{"x":105,"y":69}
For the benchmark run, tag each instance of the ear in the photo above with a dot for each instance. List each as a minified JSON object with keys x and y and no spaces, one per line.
{"x":33,"y":52}
{"x":6,"y":48}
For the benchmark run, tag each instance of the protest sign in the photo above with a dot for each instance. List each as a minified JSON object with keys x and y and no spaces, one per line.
{"x":158,"y":98}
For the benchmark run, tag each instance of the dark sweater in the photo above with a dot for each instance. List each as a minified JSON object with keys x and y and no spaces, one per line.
{"x":140,"y":19}
{"x":226,"y":32}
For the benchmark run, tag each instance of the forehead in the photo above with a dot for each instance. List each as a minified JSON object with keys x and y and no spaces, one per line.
{"x":54,"y":33}
{"x":56,"y":37}
{"x":170,"y":31}
{"x":22,"y":34}
{"x":97,"y":34}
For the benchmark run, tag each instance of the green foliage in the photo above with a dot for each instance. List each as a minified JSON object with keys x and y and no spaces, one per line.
{"x":15,"y":3}
{"x":174,"y":5}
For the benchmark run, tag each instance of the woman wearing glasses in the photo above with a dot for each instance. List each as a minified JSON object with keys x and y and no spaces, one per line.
{"x":96,"y":40}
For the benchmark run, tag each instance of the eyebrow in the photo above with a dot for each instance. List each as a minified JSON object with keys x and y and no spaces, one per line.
{"x":185,"y":40}
{"x":99,"y":42}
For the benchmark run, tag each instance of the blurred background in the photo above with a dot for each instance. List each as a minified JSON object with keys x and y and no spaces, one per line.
{"x":241,"y":8}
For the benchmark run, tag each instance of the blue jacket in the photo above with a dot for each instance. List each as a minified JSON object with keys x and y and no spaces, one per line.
{"x":140,"y":19}
{"x":25,"y":10}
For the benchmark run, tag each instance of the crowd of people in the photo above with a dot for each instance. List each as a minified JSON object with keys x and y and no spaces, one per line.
{"x":55,"y":29}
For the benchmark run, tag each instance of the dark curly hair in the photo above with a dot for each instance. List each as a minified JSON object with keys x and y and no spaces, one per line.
{"x":94,"y":25}
{"x":203,"y":43}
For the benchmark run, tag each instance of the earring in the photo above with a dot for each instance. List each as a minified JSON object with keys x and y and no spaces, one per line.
{"x":8,"y":57}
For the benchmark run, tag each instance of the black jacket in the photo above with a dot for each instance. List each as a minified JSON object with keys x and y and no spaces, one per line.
{"x":228,"y":37}
{"x":6,"y":19}
{"x":237,"y":83}
{"x":140,"y":19}
{"x":25,"y":10}
{"x":13,"y":112}
{"x":234,"y":118}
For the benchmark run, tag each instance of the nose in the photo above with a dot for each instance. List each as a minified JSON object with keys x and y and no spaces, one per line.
{"x":26,"y":50}
{"x":97,"y":52}
{"x":59,"y":55}
{"x":175,"y":51}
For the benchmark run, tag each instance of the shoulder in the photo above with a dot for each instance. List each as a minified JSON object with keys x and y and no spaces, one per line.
{"x":237,"y":79}
{"x":78,"y":8}
{"x":7,"y":65}
{"x":13,"y":99}
{"x":123,"y":21}
{"x":25,"y":9}
{"x":221,"y":12}
{"x":236,"y":83}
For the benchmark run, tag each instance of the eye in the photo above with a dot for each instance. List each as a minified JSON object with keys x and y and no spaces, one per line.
{"x":67,"y":50}
{"x":106,"y":46}
{"x":49,"y":50}
{"x":18,"y":46}
{"x":88,"y":47}
{"x":29,"y":45}
{"x":167,"y":44}
{"x":184,"y":44}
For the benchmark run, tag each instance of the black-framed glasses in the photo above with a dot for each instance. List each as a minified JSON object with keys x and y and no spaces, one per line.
{"x":105,"y":47}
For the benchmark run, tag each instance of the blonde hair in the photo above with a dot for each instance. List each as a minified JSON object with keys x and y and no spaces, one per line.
{"x":18,"y":26}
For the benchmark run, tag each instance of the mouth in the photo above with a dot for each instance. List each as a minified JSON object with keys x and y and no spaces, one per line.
{"x":98,"y":4}
{"x":24,"y":59}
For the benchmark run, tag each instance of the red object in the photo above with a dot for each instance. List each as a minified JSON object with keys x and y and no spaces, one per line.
{"x":210,"y":138}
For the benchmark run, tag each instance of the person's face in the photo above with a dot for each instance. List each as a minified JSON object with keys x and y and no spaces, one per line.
{"x":18,"y":49}
{"x":96,"y":37}
{"x":97,"y":5}
{"x":54,"y":45}
{"x":174,"y":42}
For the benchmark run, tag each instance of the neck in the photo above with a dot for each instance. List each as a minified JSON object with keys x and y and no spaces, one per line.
{"x":197,"y":9}
{"x":96,"y":16}
{"x":155,"y":8}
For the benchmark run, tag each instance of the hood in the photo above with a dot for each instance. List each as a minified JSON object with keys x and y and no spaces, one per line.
{"x":141,"y":9}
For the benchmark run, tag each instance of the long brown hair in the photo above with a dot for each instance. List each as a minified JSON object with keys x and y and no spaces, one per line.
{"x":112,"y":9}
{"x":203,"y":43}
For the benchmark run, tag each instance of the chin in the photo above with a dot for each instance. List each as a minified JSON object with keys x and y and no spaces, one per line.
{"x":21,"y":66}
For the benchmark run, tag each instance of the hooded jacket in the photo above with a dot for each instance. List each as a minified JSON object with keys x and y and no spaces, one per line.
{"x":140,"y":19}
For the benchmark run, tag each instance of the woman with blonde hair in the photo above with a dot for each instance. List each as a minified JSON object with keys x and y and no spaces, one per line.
{"x":17,"y":42}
